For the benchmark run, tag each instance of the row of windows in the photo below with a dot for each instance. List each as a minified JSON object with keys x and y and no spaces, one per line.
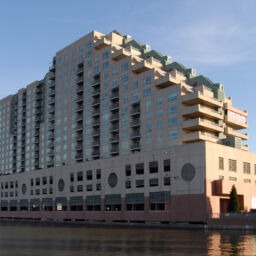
{"x":232,"y":166}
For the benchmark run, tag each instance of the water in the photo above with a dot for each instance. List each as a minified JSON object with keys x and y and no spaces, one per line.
{"x":37,"y":240}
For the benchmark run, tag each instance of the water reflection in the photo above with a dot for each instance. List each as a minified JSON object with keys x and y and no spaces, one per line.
{"x":17,"y":239}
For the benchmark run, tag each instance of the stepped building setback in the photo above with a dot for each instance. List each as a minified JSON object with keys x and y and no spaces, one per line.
{"x":118,"y":132}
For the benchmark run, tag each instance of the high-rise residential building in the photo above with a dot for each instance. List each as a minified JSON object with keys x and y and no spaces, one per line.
{"x":116,"y":131}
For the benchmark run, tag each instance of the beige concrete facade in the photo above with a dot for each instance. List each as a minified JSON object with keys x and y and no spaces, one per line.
{"x":118,"y":132}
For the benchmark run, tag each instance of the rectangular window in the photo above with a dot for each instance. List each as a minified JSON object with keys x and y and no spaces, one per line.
{"x":71,"y":177}
{"x":89,"y":187}
{"x":246,"y":168}
{"x":98,"y":174}
{"x":80,"y":176}
{"x":167,"y":181}
{"x":221,"y":163}
{"x":128,"y":170}
{"x":172,"y":96}
{"x":89,"y":175}
{"x":232,"y":165}
{"x":167,"y":165}
{"x":139,"y":168}
{"x":79,"y":188}
{"x":128,"y":184}
{"x":139,"y":183}
{"x":153,"y":182}
{"x":153,"y":167}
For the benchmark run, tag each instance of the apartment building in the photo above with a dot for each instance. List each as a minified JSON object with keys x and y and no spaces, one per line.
{"x":116,"y":131}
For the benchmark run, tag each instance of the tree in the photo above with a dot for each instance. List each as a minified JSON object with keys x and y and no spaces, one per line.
{"x":234,"y":205}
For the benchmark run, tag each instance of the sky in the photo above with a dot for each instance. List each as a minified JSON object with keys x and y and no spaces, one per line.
{"x":217,"y":38}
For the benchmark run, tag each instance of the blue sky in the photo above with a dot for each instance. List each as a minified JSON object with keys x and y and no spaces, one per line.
{"x":217,"y":38}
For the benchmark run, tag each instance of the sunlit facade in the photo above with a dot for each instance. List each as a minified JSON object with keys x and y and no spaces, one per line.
{"x":118,"y":132}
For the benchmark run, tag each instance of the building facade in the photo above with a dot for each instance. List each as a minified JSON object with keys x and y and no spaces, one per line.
{"x":118,"y":132}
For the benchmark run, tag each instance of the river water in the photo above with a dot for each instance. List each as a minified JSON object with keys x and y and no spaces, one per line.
{"x":18,"y":239}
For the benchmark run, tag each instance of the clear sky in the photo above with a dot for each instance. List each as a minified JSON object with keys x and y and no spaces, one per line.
{"x":217,"y":38}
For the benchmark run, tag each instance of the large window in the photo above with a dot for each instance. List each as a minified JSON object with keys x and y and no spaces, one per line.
{"x":153,"y":167}
{"x":167,"y":165}
{"x":232,"y":165}
{"x":246,"y":168}
{"x":221,"y":163}
{"x":140,"y":168}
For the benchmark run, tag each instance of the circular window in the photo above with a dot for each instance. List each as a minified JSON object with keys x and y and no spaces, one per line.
{"x":23,"y":189}
{"x":61,"y":185}
{"x":188,"y":172}
{"x":112,"y":180}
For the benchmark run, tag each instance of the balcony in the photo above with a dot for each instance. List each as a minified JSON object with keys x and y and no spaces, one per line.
{"x":79,"y":147}
{"x":52,"y":68}
{"x":235,"y":121}
{"x":233,"y":133}
{"x":141,"y":67}
{"x":50,"y":127}
{"x":50,"y":145}
{"x":51,"y":84}
{"x":95,"y":82}
{"x":114,"y":128}
{"x":114,"y":117}
{"x":135,"y":134}
{"x":200,"y":98}
{"x":199,"y":135}
{"x":201,"y":124}
{"x":135,"y":111}
{"x":120,"y":54}
{"x":96,"y":92}
{"x":79,"y":70}
{"x":96,"y":153}
{"x":79,"y":127}
{"x":51,"y":92}
{"x":114,"y":139}
{"x":166,"y":81}
{"x":51,"y":101}
{"x":79,"y":117}
{"x":96,"y":143}
{"x":114,"y":106}
{"x":50,"y":153}
{"x":79,"y":157}
{"x":79,"y":137}
{"x":51,"y":117}
{"x":103,"y":42}
{"x":201,"y":111}
{"x":114,"y":150}
{"x":135,"y":122}
{"x":96,"y":102}
{"x":96,"y":112}
{"x":114,"y":96}
{"x":79,"y":88}
{"x":51,"y":76}
{"x":79,"y":108}
{"x":79,"y":98}
{"x":79,"y":80}
{"x":50,"y":136}
{"x":96,"y":122}
{"x":96,"y":132}
{"x":135,"y":146}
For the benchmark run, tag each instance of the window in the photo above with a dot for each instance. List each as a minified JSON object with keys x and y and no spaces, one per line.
{"x":98,"y":174}
{"x":173,"y":134}
{"x":147,"y":92}
{"x":232,"y":165}
{"x":89,"y":175}
{"x":172,"y":96}
{"x":221,"y":163}
{"x":98,"y":186}
{"x":128,"y":184}
{"x":139,"y":183}
{"x":153,"y":182}
{"x":159,"y":100}
{"x":89,"y":187}
{"x":79,"y":188}
{"x":147,"y":80}
{"x":124,"y":67}
{"x":128,"y":170}
{"x":172,"y":122}
{"x":153,"y":167}
{"x":80,"y":176}
{"x":159,"y":113}
{"x":246,"y":168}
{"x":72,"y":177}
{"x":167,"y":165}
{"x":139,"y":168}
{"x":167,"y":181}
